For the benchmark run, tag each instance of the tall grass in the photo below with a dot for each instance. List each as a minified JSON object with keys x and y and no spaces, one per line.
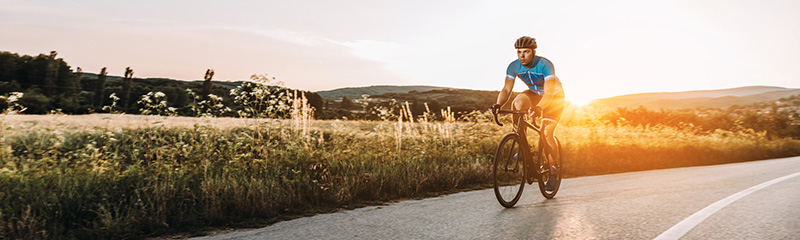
{"x":591,"y":150}
{"x":121,"y":176}
{"x":110,"y":181}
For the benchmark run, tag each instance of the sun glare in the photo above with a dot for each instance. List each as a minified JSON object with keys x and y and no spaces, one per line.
{"x":578,"y":101}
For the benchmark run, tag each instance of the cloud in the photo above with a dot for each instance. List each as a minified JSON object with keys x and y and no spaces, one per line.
{"x":299,"y":59}
{"x":375,"y":50}
{"x":285,"y":35}
{"x":21,"y":7}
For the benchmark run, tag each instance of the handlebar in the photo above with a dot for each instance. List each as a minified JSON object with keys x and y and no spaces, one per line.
{"x":499,"y":111}
{"x":497,"y":121}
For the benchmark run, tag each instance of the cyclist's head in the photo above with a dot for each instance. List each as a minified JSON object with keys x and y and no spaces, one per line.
{"x":525,"y":42}
{"x":526,"y":49}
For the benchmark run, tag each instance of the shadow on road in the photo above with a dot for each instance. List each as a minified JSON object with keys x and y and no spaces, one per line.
{"x":544,"y":219}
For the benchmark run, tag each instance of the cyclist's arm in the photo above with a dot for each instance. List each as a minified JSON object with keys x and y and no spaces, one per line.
{"x":550,"y":83}
{"x":502,"y":98}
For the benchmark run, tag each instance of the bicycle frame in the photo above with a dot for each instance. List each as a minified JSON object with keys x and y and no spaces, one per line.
{"x":533,"y":160}
{"x":522,"y":125}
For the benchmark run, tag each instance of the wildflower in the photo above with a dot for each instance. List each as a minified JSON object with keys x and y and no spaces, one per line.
{"x":14,"y":96}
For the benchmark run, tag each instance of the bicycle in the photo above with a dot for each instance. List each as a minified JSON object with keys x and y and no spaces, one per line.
{"x":515,"y":162}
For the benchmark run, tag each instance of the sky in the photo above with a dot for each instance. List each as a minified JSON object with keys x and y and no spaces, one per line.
{"x":599,"y":48}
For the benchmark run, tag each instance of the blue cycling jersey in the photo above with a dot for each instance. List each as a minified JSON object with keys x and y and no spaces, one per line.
{"x":534,"y":76}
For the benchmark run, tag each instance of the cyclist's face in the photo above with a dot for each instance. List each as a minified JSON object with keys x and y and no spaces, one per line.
{"x":525,"y":55}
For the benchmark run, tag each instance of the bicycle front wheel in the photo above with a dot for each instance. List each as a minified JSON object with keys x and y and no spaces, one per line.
{"x":509,"y":171}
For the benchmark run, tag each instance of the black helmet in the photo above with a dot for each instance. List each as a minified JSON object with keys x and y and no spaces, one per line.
{"x":525,"y":42}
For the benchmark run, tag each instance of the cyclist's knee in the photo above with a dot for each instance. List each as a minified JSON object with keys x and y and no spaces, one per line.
{"x":549,"y":127}
{"x":521,"y":102}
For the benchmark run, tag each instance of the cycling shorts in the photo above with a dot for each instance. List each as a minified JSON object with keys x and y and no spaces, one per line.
{"x":552,"y":110}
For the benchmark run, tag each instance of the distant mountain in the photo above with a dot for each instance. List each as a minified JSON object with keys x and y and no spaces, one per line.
{"x":465,"y":99}
{"x":458,"y":99}
{"x":356,"y":92}
{"x":700,"y":99}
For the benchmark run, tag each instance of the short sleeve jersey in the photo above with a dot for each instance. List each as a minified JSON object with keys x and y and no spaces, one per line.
{"x":534,"y":76}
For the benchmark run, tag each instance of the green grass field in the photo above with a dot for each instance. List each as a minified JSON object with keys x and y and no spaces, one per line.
{"x":123,"y":176}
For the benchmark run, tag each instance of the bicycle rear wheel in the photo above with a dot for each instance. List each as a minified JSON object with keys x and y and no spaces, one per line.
{"x":544,"y":176}
{"x":509,"y":171}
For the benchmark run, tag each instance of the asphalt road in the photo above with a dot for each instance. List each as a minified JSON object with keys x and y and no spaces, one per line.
{"x":638,"y":205}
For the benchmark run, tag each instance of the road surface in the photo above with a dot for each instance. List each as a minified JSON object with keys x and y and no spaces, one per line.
{"x":751,"y":200}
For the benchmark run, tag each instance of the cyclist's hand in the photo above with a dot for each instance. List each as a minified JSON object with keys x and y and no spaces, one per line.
{"x":494,"y":109}
{"x":537,"y":111}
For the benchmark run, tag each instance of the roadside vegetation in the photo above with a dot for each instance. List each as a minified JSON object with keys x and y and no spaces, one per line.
{"x":258,"y":153}
{"x":133,"y":176}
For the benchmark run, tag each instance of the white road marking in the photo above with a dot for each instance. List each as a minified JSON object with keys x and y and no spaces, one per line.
{"x":680,"y":229}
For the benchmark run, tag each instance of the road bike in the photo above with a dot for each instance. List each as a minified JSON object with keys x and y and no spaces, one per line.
{"x":516,"y":161}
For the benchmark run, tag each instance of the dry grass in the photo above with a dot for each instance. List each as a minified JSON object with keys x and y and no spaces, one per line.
{"x":124,"y":176}
{"x":593,"y":150}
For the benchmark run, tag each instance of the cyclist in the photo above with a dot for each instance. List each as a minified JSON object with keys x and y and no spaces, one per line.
{"x":544,"y":93}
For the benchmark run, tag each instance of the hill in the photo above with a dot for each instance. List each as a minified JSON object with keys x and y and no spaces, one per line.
{"x":468,"y":100}
{"x":700,"y":99}
{"x":356,"y":92}
{"x":457,"y":99}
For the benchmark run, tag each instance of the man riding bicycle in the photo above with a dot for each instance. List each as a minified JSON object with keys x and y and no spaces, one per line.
{"x":544,"y":95}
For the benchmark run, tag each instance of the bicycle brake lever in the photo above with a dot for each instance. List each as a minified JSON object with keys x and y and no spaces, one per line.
{"x":495,"y":118}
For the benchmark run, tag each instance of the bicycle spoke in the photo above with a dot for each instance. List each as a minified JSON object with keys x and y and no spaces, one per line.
{"x":508,"y":175}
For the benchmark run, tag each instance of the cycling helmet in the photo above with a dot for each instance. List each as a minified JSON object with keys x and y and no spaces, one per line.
{"x":525,"y":42}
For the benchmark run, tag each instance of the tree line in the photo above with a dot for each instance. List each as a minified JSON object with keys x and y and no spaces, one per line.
{"x":50,"y":84}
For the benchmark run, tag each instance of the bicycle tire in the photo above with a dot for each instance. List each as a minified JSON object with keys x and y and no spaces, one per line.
{"x":508,"y":172}
{"x":544,"y":178}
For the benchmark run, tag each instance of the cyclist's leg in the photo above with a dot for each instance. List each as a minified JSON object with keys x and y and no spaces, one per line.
{"x":549,"y":126}
{"x":524,"y":101}
{"x":550,"y":118}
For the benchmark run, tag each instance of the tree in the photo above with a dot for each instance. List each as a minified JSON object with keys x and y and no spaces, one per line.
{"x":32,"y":71}
{"x":126,"y":88}
{"x":346,"y":102}
{"x":35,"y":101}
{"x":417,"y":108}
{"x":6,"y":87}
{"x":9,"y":66}
{"x":101,"y":86}
{"x":68,"y":88}
{"x":51,"y":74}
{"x":315,"y":100}
{"x":434,"y":106}
{"x":207,"y":85}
